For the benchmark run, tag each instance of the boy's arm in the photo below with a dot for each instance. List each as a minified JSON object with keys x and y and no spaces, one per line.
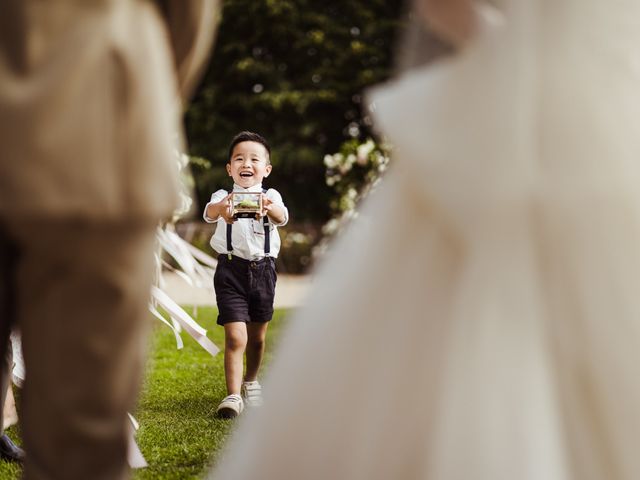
{"x":276,"y":213}
{"x":218,"y":207}
{"x":274,"y":208}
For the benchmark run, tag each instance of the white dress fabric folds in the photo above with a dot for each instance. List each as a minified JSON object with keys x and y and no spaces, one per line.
{"x":481,"y":320}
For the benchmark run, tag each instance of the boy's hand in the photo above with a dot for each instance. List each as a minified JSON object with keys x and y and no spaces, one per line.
{"x":221,"y":209}
{"x":267,"y":205}
{"x":226,"y":209}
{"x":274,"y":211}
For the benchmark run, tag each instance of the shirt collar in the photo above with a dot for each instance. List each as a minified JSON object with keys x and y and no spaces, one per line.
{"x":255,"y":188}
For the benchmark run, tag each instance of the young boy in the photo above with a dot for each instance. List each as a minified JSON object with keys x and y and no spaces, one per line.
{"x":245,"y":278}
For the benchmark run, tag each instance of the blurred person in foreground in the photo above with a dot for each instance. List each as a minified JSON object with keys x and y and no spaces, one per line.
{"x":482,"y":320}
{"x":89,"y":112}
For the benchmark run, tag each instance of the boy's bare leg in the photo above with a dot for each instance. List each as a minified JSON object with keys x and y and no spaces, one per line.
{"x":235,"y":342}
{"x":257,"y":333}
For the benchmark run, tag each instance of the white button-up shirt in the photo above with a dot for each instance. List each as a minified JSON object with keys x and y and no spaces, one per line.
{"x":247,"y":234}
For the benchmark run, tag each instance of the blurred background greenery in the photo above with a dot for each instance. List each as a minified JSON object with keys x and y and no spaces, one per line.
{"x":294,"y":71}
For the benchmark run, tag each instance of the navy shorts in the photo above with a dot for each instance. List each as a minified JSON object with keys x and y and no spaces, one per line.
{"x":245,"y":289}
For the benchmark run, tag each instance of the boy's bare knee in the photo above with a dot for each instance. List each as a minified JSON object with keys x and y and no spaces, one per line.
{"x":256,"y":343}
{"x":234,"y":343}
{"x":235,"y":339}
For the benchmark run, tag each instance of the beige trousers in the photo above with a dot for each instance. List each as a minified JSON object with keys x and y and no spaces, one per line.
{"x":78,"y":292}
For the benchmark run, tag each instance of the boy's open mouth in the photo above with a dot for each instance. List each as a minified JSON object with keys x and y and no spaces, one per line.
{"x":246,"y":174}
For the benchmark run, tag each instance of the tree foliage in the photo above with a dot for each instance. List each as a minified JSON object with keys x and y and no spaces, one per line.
{"x":294,"y":71}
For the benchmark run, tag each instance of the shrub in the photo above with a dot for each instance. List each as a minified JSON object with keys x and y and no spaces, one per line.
{"x":352,"y":172}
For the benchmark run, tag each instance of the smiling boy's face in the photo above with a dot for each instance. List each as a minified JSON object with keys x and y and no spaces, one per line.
{"x":249,"y":164}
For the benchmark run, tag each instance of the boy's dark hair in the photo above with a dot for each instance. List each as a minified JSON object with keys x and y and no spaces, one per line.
{"x":247,"y":136}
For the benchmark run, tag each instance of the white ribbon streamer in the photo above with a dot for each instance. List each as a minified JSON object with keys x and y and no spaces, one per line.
{"x":134,"y":454}
{"x":176,"y":333}
{"x":197,"y":332}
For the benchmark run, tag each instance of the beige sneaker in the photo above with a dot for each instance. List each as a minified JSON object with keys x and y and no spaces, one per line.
{"x":252,"y":393}
{"x":231,"y":406}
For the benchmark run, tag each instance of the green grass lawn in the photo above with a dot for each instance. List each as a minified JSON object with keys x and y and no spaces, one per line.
{"x":179,"y":434}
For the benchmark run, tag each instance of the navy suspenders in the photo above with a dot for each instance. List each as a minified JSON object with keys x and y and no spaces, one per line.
{"x":267,"y":235}
{"x":229,"y":246}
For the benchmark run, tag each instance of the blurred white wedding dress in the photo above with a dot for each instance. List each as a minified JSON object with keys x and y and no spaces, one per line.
{"x":482,"y":320}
